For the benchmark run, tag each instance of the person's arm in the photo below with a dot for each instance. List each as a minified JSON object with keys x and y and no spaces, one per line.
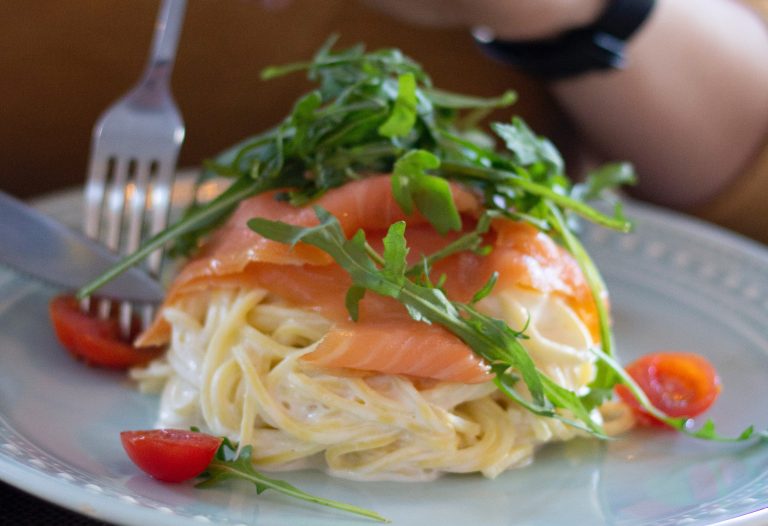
{"x":691,"y":108}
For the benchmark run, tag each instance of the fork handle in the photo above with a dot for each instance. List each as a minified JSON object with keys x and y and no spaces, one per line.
{"x":166,"y":36}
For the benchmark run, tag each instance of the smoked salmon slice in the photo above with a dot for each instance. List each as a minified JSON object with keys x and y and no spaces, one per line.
{"x":398,"y":347}
{"x":385,"y":339}
{"x":366,"y":204}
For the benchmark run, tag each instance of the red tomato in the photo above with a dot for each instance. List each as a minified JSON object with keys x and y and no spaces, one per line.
{"x":681,"y":384}
{"x":95,"y":341}
{"x":170,"y":455}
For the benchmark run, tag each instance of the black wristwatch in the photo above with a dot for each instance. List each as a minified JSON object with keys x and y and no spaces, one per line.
{"x":597,"y":46}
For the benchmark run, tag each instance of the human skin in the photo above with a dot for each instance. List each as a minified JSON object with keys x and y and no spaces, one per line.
{"x":510,"y":20}
{"x":691,"y":108}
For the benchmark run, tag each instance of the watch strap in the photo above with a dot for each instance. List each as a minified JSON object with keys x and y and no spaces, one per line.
{"x":596,"y":46}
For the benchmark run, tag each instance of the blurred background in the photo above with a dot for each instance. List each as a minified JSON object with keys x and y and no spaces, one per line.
{"x":63,"y":63}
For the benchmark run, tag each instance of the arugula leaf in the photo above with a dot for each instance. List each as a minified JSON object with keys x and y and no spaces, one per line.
{"x":213,"y":212}
{"x":529,"y":149}
{"x":369,"y":112}
{"x":490,"y":338}
{"x":411,"y":185}
{"x":403,"y":116}
{"x":447,"y":99}
{"x":601,"y":185}
{"x":395,"y":253}
{"x":471,"y":241}
{"x":228,"y":465}
{"x":486,"y":289}
{"x":434,"y":200}
{"x":479,"y":107}
{"x":352,"y":301}
{"x":607,"y":177}
{"x":377,"y":112}
{"x":502,"y":182}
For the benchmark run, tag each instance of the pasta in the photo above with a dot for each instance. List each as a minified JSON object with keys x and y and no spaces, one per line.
{"x":324,"y":336}
{"x":235,"y":368}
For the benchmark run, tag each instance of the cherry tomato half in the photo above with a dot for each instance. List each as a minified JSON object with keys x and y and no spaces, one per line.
{"x":681,"y":384}
{"x":95,"y":341}
{"x":170,"y":455}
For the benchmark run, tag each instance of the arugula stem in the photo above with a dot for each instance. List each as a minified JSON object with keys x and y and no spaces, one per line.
{"x":340,"y":134}
{"x":260,"y":141}
{"x":470,"y":241}
{"x":460,"y":170}
{"x":279,"y":71}
{"x":491,"y":339}
{"x":706,"y":432}
{"x":291,"y":491}
{"x":335,"y":109}
{"x":377,"y":112}
{"x":375,"y":256}
{"x":605,"y":376}
{"x":239,"y":190}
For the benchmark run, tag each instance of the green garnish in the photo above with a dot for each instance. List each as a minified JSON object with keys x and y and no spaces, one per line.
{"x":492,"y":339}
{"x":229,"y":465}
{"x":684,"y":425}
{"x":489,"y":338}
{"x":377,"y":112}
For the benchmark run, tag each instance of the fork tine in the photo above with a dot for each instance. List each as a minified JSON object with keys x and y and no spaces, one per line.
{"x":160,"y":197}
{"x":128,"y":192}
{"x":95,"y":189}
{"x":137,"y":204}
{"x":115,"y":204}
{"x":112,"y":218}
{"x":136,"y":197}
{"x":94,"y":194}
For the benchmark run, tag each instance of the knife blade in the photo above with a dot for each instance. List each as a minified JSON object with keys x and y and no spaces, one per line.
{"x":41,"y":247}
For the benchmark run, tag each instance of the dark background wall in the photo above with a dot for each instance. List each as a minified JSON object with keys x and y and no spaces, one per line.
{"x":63,"y":63}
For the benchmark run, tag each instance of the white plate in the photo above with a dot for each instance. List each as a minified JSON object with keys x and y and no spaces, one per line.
{"x":675,"y":284}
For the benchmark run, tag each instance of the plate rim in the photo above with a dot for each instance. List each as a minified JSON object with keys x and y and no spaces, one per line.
{"x":109,"y":507}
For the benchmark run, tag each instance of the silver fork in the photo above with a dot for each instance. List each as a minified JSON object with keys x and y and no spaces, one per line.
{"x":134,"y":148}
